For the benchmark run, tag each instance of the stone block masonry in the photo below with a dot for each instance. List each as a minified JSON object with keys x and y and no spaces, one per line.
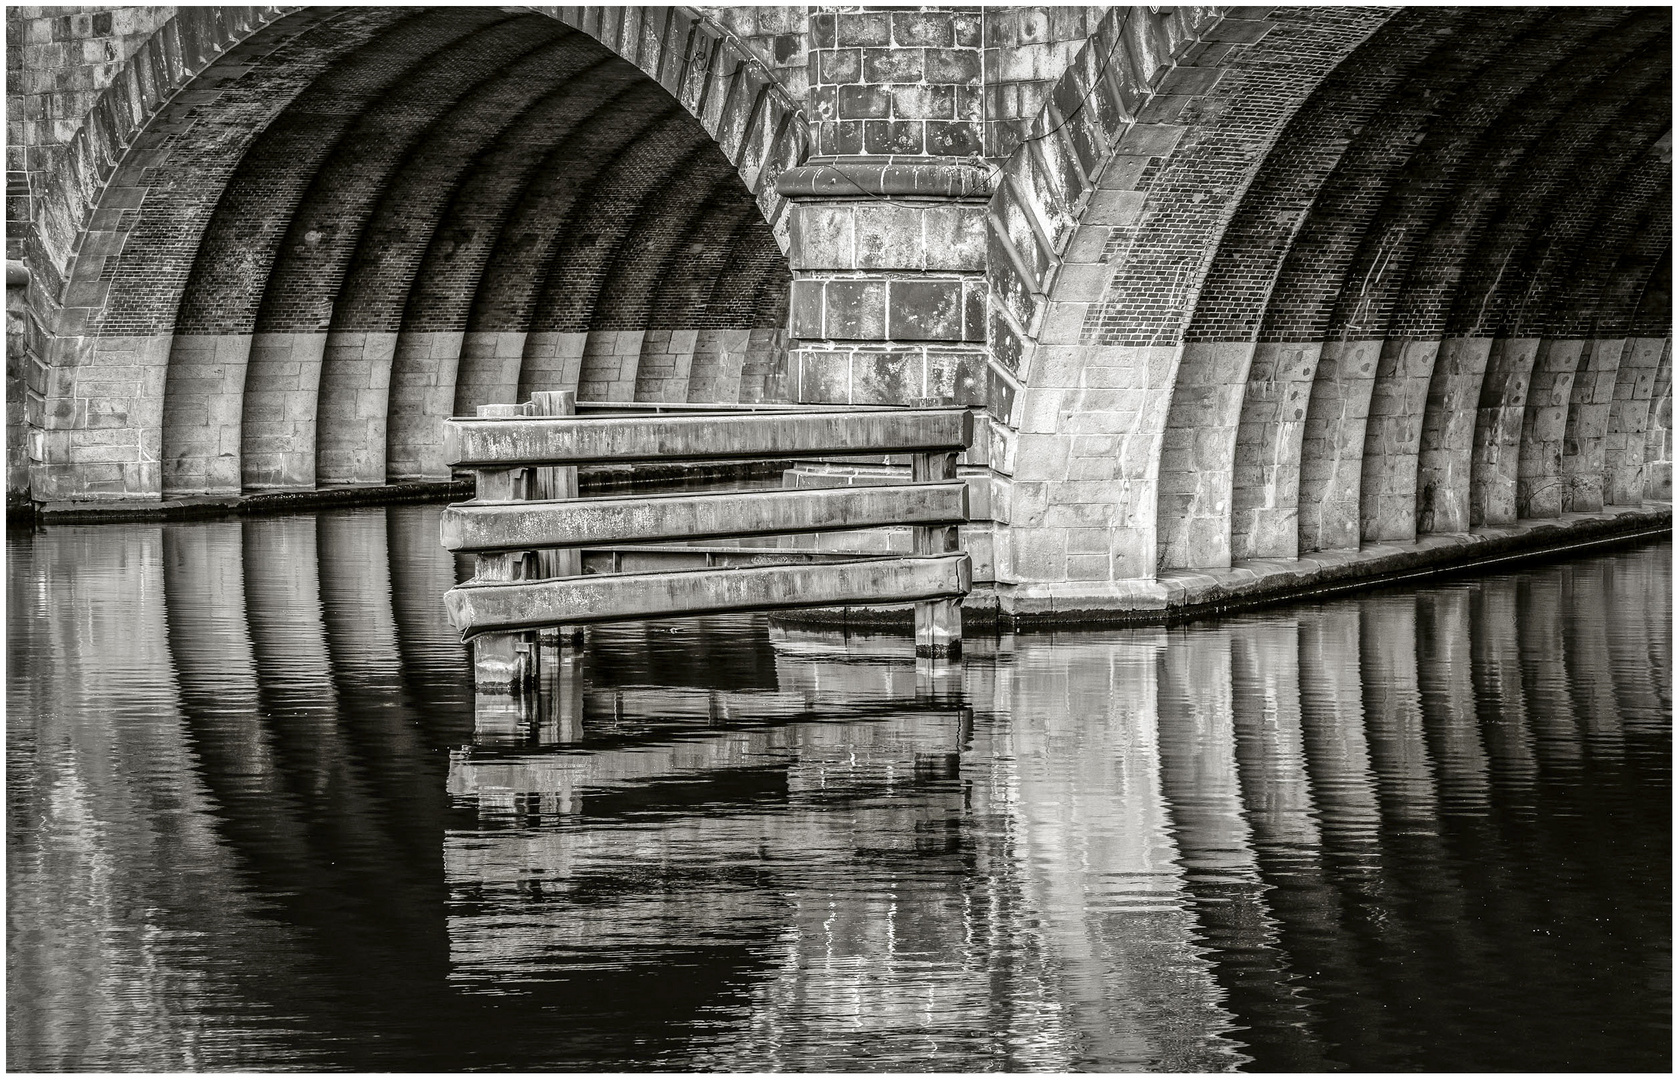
{"x":1230,"y":285}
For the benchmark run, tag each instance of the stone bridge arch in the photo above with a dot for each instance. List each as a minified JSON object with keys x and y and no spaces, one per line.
{"x":1238,"y":287}
{"x":262,"y":261}
{"x":1250,"y":317}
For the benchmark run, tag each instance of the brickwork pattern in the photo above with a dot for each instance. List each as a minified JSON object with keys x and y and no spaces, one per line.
{"x":304,"y":286}
{"x":1610,"y":121}
{"x":1230,"y":283}
{"x":890,"y":82}
{"x":1326,"y":164}
{"x":410,"y":210}
{"x":260,"y":256}
{"x":1323,"y":160}
{"x":1069,"y":255}
{"x":236,"y":254}
{"x":609,"y":209}
{"x":1392,"y":449}
{"x":1026,"y":51}
{"x":59,"y":60}
{"x":1446,"y":122}
{"x":1452,"y":151}
{"x":131,"y":268}
{"x":696,"y":266}
{"x":1161,"y":260}
{"x":484,"y":205}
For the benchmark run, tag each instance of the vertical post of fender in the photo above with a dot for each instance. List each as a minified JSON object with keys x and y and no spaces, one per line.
{"x":505,"y":663}
{"x":554,"y":483}
{"x":938,"y":623}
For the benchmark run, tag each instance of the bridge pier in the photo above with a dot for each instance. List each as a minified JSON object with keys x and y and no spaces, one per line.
{"x":1235,"y":286}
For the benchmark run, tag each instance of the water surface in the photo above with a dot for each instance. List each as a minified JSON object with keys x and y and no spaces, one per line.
{"x":254,"y":823}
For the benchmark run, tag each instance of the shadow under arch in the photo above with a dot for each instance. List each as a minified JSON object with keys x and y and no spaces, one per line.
{"x":245,"y":215}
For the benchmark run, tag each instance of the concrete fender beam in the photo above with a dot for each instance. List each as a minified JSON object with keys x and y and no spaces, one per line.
{"x":658,"y":558}
{"x":525,"y":526}
{"x":510,"y":607}
{"x":473,"y":443}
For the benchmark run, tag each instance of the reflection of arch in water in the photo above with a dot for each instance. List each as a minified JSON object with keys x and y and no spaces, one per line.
{"x":301,"y":798}
{"x":1078,"y":776}
{"x":327,"y":814}
{"x":1218,"y":848}
{"x":1390,"y":814}
{"x":101,"y":759}
{"x":1436,"y":849}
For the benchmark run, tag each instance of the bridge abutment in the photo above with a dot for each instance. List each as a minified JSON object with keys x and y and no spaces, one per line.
{"x":1232,"y":287}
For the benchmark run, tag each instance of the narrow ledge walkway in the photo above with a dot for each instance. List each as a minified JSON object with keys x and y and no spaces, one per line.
{"x":1187,"y":594}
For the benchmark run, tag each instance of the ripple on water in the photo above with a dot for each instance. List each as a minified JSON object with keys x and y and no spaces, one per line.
{"x":255,"y":822}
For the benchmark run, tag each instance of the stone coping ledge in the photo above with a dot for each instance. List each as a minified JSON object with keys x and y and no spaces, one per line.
{"x":603,"y":478}
{"x":1185,"y":595}
{"x":866,"y":177}
{"x":264,"y":502}
{"x":1190,"y":594}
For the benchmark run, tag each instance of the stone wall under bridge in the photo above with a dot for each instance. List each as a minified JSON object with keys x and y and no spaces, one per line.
{"x":1241,"y":292}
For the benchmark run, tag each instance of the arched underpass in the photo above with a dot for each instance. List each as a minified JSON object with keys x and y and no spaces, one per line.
{"x":356,"y":222}
{"x":1235,"y":287}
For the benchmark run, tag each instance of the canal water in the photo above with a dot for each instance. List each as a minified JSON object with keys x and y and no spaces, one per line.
{"x":253,"y":823}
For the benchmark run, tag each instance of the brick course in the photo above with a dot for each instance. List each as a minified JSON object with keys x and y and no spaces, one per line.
{"x":1228,"y":283}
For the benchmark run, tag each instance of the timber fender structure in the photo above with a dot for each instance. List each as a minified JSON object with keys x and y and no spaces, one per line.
{"x":1247,"y":302}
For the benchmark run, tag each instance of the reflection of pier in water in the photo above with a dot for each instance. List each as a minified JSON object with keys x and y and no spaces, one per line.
{"x":1180,"y":849}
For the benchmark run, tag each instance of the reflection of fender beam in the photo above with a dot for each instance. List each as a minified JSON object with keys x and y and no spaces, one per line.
{"x":529,"y":525}
{"x":903,"y":740}
{"x":503,"y":442}
{"x":505,"y":607}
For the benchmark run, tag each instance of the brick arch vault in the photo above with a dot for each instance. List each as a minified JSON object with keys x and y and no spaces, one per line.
{"x":1300,"y":281}
{"x":285,"y":243}
{"x":1235,"y":286}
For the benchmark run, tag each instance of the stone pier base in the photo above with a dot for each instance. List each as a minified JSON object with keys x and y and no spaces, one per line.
{"x":1183,"y":595}
{"x":1188,"y":594}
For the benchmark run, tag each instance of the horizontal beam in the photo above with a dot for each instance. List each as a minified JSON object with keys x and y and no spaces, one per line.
{"x":785,"y":725}
{"x":482,"y":443}
{"x":524,"y":526}
{"x":621,"y":408}
{"x":504,"y":607}
{"x":635,"y":560}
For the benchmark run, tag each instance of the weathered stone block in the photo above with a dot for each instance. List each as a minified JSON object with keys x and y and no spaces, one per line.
{"x":839,"y":65}
{"x":854,"y":310}
{"x":806,"y":308}
{"x":925,"y":310}
{"x":888,"y":377}
{"x":821,"y":376}
{"x":888,"y":137}
{"x":952,"y":65}
{"x":953,"y":138}
{"x":863,"y":28}
{"x":889,"y":237}
{"x":957,"y":376}
{"x":919,"y":101}
{"x":862,"y":102}
{"x":1064,"y":323}
{"x":1114,"y":207}
{"x":892,"y":65}
{"x":1039,"y":554}
{"x":823,"y":236}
